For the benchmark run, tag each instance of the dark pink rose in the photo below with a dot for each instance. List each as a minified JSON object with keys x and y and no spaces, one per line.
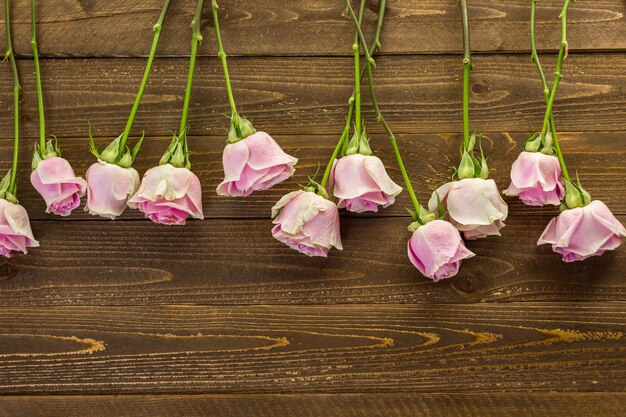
{"x":437,"y":249}
{"x":582,"y":232}
{"x":361,"y":184}
{"x":307,"y":222}
{"x":169,"y":195}
{"x":536,"y":179}
{"x":60,"y":188}
{"x":15,"y":232}
{"x":254,"y":163}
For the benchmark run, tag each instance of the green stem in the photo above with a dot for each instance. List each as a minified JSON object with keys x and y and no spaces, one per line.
{"x":196,"y":38}
{"x":544,"y":84}
{"x":17,"y":89}
{"x":357,"y":70}
{"x":559,"y":66}
{"x":343,"y":140}
{"x":33,"y":42}
{"x":222,"y":55}
{"x":144,"y":81}
{"x":467,"y":67}
{"x":390,"y":134}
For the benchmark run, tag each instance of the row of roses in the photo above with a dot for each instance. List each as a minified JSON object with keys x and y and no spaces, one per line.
{"x":307,"y":220}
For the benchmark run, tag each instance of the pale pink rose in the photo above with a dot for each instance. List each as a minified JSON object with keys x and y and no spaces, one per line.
{"x":108,"y":188}
{"x":582,"y":232}
{"x":436,"y":249}
{"x":60,"y":188}
{"x":252,"y":164}
{"x":474,"y":206}
{"x":169,"y":195}
{"x":536,"y":179}
{"x":307,"y":223}
{"x":361,"y":184}
{"x":15,"y":232}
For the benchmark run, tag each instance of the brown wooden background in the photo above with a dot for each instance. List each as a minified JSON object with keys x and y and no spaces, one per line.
{"x":217,"y":318}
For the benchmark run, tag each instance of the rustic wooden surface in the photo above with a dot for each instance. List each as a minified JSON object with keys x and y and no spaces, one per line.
{"x":130,"y":318}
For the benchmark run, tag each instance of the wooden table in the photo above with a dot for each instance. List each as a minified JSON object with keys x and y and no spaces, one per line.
{"x":216,"y":318}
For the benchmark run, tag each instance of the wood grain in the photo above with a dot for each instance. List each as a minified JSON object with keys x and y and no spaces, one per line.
{"x":597,"y":156}
{"x":226,"y":262}
{"x":419,"y":94}
{"x":319,"y":405}
{"x":334,"y":349}
{"x":300,"y":27}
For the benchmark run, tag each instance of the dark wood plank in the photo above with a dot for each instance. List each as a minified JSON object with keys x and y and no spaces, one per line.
{"x":226,"y":262}
{"x":309,"y":95}
{"x":268,"y":27}
{"x":433,"y":348}
{"x":598,"y":156}
{"x":319,"y":405}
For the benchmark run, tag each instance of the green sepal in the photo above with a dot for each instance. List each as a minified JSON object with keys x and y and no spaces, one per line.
{"x":137,"y":146}
{"x":315,"y":187}
{"x":126,"y":161}
{"x":176,"y":153}
{"x":240,"y":128}
{"x":4,"y":189}
{"x":547,"y":142}
{"x":353,"y":145}
{"x":111,"y":152}
{"x":467,"y":168}
{"x":92,"y":144}
{"x":484,"y":168}
{"x":441,"y":211}
{"x":4,"y":184}
{"x":364,"y":144}
{"x":533,"y":143}
{"x":575,"y":196}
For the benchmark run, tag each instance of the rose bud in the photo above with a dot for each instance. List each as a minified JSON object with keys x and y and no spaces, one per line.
{"x":307,"y":222}
{"x":169,"y":195}
{"x":536,"y":179}
{"x":60,"y":188}
{"x":15,"y":232}
{"x":474,"y":206}
{"x":581,"y":232}
{"x":361,"y":184}
{"x":437,"y":249}
{"x":108,"y":188}
{"x":254,"y":163}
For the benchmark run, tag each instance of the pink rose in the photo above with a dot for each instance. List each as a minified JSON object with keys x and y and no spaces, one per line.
{"x":307,"y":223}
{"x":436,"y":249}
{"x":536,"y":179}
{"x":15,"y":232}
{"x":582,"y":232}
{"x":169,"y":195}
{"x":55,"y":180}
{"x":474,"y":206}
{"x":361,"y":184}
{"x":252,"y":164}
{"x":108,"y":188}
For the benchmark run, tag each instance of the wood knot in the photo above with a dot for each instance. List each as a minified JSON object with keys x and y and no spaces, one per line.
{"x":480,"y":88}
{"x":467,"y":284}
{"x":8,"y":269}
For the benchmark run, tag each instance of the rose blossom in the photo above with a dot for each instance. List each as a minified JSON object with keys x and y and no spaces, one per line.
{"x":252,"y":164}
{"x":582,"y":232}
{"x":108,"y":188}
{"x":474,"y":206}
{"x":15,"y":232}
{"x":536,"y":179}
{"x":436,"y":249}
{"x":307,"y":222}
{"x":169,"y":195}
{"x":61,"y":189}
{"x":361,"y":184}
